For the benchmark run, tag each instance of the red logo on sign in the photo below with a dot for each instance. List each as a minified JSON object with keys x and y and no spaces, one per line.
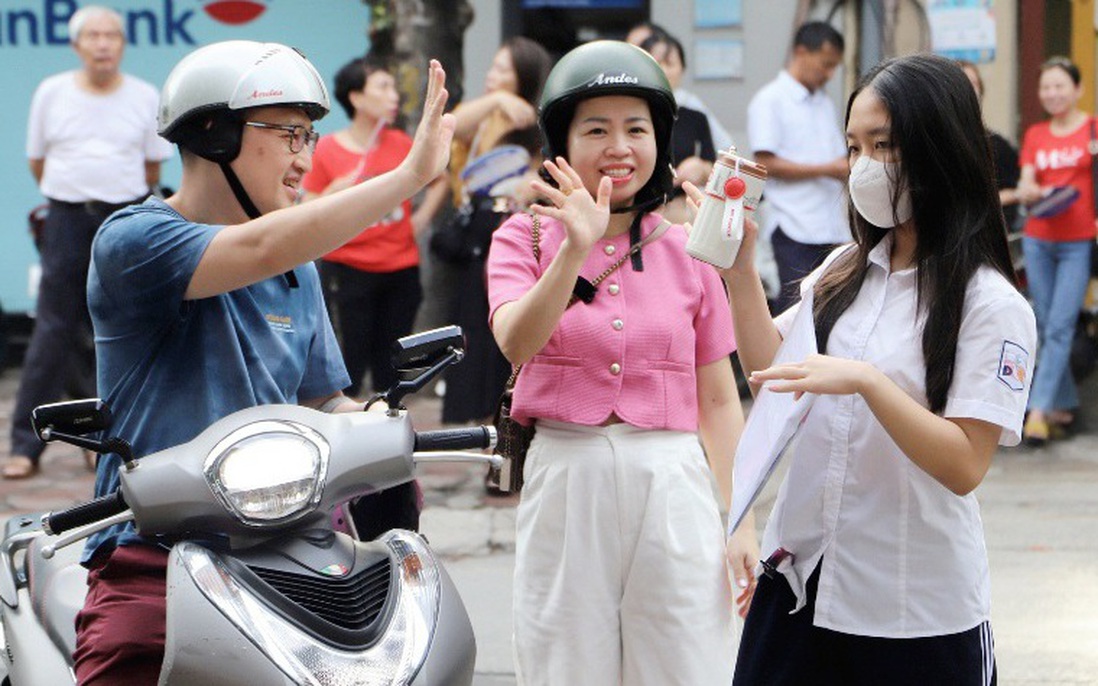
{"x":234,"y":11}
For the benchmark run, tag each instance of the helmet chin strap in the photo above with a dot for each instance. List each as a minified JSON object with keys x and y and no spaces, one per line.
{"x":640,"y":209}
{"x":249,"y":207}
{"x":644,"y":206}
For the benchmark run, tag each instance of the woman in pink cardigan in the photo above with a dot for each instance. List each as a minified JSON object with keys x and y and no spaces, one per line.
{"x":621,"y":573}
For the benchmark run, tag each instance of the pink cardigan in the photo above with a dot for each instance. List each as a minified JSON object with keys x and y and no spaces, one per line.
{"x":634,"y":350}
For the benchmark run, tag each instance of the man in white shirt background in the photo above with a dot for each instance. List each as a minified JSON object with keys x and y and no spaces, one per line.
{"x":793,"y":128}
{"x":92,"y":147}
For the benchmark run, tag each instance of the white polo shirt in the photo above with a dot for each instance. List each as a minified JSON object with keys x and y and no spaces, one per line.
{"x":94,"y":146}
{"x":903,"y":556}
{"x":787,"y":120}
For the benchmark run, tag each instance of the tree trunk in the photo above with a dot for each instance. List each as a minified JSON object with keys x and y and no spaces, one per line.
{"x":409,"y":33}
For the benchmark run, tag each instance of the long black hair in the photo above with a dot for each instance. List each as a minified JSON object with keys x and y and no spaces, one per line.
{"x":532,"y":63}
{"x":945,"y":163}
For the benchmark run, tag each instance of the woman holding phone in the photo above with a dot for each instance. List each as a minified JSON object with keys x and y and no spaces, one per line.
{"x":1056,"y":158}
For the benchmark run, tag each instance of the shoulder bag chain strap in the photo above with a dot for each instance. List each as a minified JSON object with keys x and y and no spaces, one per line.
{"x":535,"y":235}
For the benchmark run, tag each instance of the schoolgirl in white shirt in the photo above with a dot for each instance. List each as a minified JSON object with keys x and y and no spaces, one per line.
{"x":927,"y":356}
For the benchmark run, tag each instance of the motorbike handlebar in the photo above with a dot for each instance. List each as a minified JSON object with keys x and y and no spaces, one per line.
{"x":466,"y":438}
{"x":85,"y":513}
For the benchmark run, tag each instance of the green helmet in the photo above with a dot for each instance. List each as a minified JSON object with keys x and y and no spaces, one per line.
{"x":610,"y":67}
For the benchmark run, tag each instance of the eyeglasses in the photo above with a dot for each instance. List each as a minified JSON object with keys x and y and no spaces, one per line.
{"x":300,"y":136}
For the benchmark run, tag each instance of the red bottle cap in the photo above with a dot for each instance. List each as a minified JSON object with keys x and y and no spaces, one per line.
{"x":735,"y":187}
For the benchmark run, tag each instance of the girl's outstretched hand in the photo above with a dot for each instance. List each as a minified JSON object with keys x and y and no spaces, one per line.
{"x":745,"y":258}
{"x":431,"y":146}
{"x":820,"y":374}
{"x":584,"y":218}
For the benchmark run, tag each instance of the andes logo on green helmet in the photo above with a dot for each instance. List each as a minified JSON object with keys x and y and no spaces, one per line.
{"x":603,"y":79}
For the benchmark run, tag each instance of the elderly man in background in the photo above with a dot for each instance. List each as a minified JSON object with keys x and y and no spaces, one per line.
{"x":93,"y":149}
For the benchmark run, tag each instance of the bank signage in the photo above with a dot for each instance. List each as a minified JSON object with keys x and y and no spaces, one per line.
{"x":34,"y":43}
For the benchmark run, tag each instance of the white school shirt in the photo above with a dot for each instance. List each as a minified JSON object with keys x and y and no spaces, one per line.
{"x":902,"y":555}
{"x":794,"y":123}
{"x":94,"y":146}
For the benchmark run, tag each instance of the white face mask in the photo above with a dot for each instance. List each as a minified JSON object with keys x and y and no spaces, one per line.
{"x":871,"y":185}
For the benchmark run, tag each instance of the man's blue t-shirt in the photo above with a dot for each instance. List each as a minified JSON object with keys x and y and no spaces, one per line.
{"x":170,"y":367}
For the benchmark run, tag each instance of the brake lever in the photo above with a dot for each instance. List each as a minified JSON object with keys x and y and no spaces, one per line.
{"x":456,"y":456}
{"x":74,"y":535}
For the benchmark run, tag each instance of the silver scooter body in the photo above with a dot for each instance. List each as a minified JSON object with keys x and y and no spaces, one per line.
{"x":276,"y":596}
{"x":38,"y":631}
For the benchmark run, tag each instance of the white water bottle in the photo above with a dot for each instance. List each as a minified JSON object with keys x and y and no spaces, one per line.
{"x":733,"y":189}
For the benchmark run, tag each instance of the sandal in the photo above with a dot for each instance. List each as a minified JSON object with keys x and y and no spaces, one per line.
{"x":1036,"y":432}
{"x":18,"y":467}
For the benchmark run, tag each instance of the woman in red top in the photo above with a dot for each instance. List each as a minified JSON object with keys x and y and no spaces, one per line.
{"x":371,"y":284}
{"x":1055,"y":158}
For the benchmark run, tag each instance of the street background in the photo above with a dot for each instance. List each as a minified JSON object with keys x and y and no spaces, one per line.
{"x":1039,"y":508}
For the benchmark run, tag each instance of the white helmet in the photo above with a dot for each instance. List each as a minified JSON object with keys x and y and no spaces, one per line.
{"x":202,"y":94}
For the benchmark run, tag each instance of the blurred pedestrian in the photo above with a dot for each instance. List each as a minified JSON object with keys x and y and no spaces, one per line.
{"x":1004,"y":155}
{"x":692,"y":151}
{"x":371,"y":283}
{"x":621,"y":573}
{"x":880,"y":567}
{"x":93,"y":149}
{"x":793,"y":129}
{"x":496,"y":150}
{"x":641,"y":32}
{"x":1056,"y":163}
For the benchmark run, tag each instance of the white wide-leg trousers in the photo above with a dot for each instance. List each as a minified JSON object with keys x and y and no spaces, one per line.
{"x":620,"y":569}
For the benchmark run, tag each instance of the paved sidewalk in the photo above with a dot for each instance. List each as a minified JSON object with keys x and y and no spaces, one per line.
{"x":1039,"y":509}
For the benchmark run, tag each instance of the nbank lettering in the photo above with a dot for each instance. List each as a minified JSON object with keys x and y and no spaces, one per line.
{"x":48,"y":24}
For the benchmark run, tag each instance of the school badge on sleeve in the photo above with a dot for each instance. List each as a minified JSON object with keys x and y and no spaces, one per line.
{"x":1013,"y":366}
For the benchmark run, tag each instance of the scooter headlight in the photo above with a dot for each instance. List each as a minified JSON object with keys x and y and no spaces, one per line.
{"x":269,"y":472}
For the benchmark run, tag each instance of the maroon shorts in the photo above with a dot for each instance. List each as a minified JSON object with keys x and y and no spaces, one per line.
{"x":120,"y":631}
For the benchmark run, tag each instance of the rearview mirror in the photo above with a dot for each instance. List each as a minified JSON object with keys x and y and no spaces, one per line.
{"x":421,"y":357}
{"x":427,"y":349}
{"x":74,"y":417}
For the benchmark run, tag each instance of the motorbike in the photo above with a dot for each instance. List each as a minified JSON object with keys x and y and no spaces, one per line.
{"x":262,"y":587}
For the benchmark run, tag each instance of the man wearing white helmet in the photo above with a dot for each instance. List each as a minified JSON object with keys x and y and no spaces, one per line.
{"x":208,"y":302}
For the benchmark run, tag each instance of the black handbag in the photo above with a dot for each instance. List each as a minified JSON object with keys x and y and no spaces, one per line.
{"x":449,"y":242}
{"x":512,"y":442}
{"x":1084,"y":346}
{"x":468,"y":233}
{"x":512,"y":439}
